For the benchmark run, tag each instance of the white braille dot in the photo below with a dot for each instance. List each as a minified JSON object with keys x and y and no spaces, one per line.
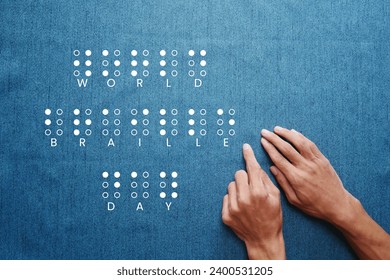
{"x":76,"y":63}
{"x":48,"y":122}
{"x":191,"y":132}
{"x":134,"y":63}
{"x":163,"y":195}
{"x":105,"y":73}
{"x":163,"y":132}
{"x":134,"y":122}
{"x":220,"y":112}
{"x":163,"y":73}
{"x":163,"y":63}
{"x":174,"y":185}
{"x":76,"y":122}
{"x":88,"y":122}
{"x":133,"y":174}
{"x":191,"y":122}
{"x":163,"y":122}
{"x":163,"y":112}
{"x":191,"y":112}
{"x":88,"y":73}
{"x":117,"y":184}
{"x":174,"y":174}
{"x":163,"y":174}
{"x":191,"y":53}
{"x":134,"y":73}
{"x":76,"y":132}
{"x":202,"y":52}
{"x":163,"y":52}
{"x":105,"y":52}
{"x":117,"y":174}
{"x":88,"y":63}
{"x":105,"y":112}
{"x":231,"y":122}
{"x":47,"y":112}
{"x":203,"y":63}
{"x":117,"y":63}
{"x":133,"y":52}
{"x":88,"y":52}
{"x":174,"y":195}
{"x":145,"y":63}
{"x":105,"y":174}
{"x":145,"y":112}
{"x":76,"y":112}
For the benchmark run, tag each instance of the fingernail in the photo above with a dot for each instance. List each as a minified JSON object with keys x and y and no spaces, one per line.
{"x":264,"y":141}
{"x":274,"y":170}
{"x":293,"y":130}
{"x":277,"y":128}
{"x":265,"y":132}
{"x":246,"y":147}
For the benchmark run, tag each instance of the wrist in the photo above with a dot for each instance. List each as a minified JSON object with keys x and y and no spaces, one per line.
{"x":266,"y":249}
{"x":349,"y":215}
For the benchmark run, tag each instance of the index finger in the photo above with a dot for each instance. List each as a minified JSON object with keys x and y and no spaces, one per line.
{"x":253,"y":167}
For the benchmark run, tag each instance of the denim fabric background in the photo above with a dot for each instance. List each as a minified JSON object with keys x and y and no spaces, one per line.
{"x":322,"y":67}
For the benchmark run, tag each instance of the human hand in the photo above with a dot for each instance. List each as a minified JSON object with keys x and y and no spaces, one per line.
{"x":253,"y":211}
{"x":307,"y":177}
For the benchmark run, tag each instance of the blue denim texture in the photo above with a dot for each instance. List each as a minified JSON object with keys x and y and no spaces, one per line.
{"x":321,"y":67}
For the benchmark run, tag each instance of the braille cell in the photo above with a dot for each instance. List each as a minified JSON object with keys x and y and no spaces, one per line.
{"x":163,"y":112}
{"x":88,"y":73}
{"x":76,"y":112}
{"x":134,"y":174}
{"x":191,"y":122}
{"x":134,"y":122}
{"x":191,"y":112}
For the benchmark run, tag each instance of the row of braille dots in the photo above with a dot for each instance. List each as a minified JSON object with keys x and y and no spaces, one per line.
{"x":163,"y":184}
{"x":174,"y":63}
{"x":116,"y":122}
{"x":54,"y":122}
{"x":106,"y":184}
{"x":78,"y":63}
{"x":136,"y":122}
